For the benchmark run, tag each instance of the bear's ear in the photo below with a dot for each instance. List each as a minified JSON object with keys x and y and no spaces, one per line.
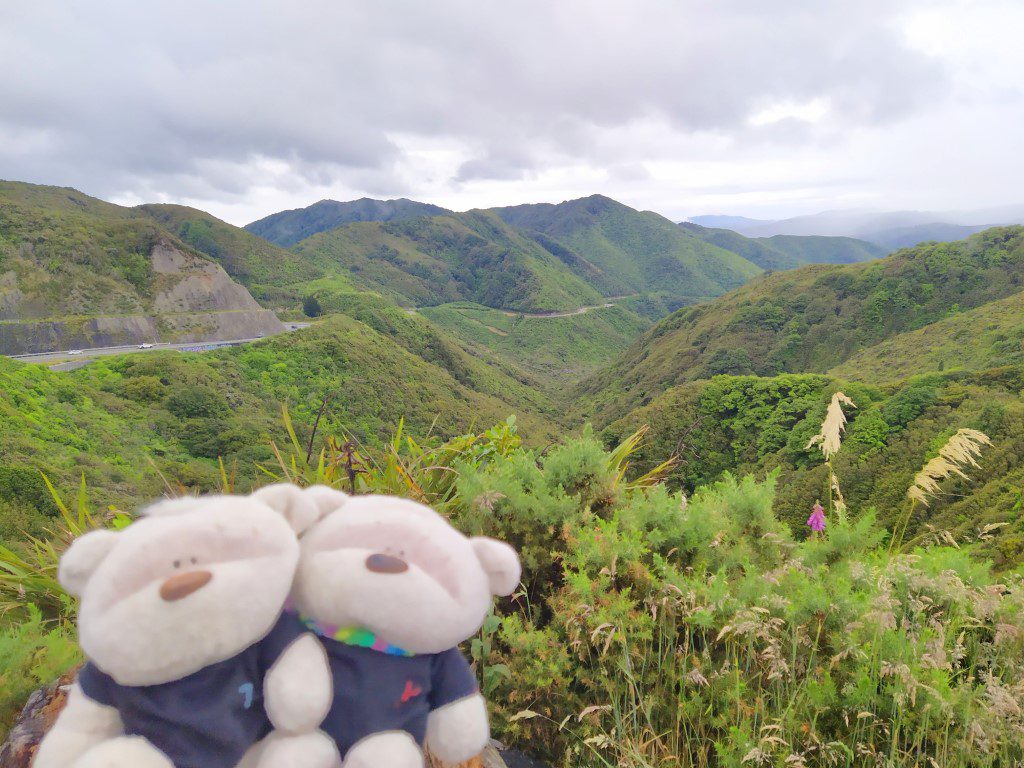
{"x":300,"y":508}
{"x":500,"y":562}
{"x":82,"y":558}
{"x":327,"y":499}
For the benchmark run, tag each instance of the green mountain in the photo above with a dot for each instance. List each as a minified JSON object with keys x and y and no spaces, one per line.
{"x":633,"y":251}
{"x":789,"y":251}
{"x":289,"y":227}
{"x":79,"y":272}
{"x":811,"y":319}
{"x":471,"y":256}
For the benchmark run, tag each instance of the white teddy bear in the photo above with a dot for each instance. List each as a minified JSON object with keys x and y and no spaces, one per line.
{"x":190,"y":661}
{"x":392,"y":589}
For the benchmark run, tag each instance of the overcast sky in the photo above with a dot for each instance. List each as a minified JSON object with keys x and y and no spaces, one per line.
{"x":752,"y":107}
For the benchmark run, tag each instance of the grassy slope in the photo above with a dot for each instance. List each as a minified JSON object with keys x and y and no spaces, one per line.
{"x":429,"y":261}
{"x":750,"y":424}
{"x":289,"y":227}
{"x":559,"y":350}
{"x":635,"y":251}
{"x":988,"y":336}
{"x":183,"y":410}
{"x":811,"y":319}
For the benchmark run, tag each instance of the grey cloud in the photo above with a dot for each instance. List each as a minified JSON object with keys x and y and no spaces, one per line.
{"x":184,"y":96}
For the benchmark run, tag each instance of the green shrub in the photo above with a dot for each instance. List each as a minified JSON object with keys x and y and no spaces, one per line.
{"x":32,"y":653}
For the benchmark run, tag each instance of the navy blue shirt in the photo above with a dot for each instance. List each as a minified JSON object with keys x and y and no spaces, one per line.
{"x":375,"y":692}
{"x":208,"y":719}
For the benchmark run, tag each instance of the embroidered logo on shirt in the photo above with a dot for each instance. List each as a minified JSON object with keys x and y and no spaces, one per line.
{"x":411,"y":692}
{"x":247,"y":690}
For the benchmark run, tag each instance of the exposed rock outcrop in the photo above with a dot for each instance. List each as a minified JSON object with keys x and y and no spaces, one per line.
{"x":32,"y":724}
{"x":192,"y":299}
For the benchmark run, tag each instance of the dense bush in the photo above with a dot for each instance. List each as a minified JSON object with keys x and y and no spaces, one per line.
{"x":655,"y":629}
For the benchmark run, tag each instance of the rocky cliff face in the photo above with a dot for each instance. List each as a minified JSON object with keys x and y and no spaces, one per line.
{"x":189,"y":299}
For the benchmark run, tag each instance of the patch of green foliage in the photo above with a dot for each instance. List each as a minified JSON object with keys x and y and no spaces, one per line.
{"x":33,"y":653}
{"x":758,"y":425}
{"x":988,"y":336}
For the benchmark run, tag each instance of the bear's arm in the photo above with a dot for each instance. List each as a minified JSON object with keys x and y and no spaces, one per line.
{"x":82,"y":724}
{"x":298,"y":688}
{"x":457,"y":728}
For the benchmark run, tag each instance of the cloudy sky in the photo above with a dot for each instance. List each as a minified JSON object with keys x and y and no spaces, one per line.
{"x":748,"y":107}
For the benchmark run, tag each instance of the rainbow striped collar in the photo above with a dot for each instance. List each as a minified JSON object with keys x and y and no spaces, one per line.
{"x":356,"y":636}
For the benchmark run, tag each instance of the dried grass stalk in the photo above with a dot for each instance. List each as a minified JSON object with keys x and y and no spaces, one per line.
{"x":831,"y":435}
{"x":961,"y":451}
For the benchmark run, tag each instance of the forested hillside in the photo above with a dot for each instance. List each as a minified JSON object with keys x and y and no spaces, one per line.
{"x":811,"y":319}
{"x":260,"y":266}
{"x":461,"y":257}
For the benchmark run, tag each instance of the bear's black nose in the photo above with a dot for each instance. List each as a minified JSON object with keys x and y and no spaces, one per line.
{"x":381,"y":563}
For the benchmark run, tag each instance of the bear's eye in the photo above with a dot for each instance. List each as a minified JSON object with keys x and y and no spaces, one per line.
{"x":194,"y":561}
{"x":177,"y":563}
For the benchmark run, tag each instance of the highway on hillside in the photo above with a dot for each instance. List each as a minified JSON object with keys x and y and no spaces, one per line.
{"x":66,"y":359}
{"x":609,"y":302}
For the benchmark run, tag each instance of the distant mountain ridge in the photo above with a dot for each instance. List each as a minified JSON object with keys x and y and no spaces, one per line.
{"x":289,"y":227}
{"x":789,"y":251}
{"x":889,"y":229}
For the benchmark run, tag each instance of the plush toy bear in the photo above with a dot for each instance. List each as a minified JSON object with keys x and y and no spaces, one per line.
{"x":392,"y":589}
{"x":190,"y":661}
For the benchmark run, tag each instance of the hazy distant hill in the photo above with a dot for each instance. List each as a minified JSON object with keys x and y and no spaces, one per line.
{"x":289,"y":227}
{"x":78,"y":272}
{"x":634,"y":251}
{"x":889,"y":229}
{"x":789,"y":251}
{"x":814,"y":318}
